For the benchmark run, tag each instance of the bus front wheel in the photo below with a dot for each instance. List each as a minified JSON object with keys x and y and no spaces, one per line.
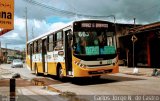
{"x":96,"y":77}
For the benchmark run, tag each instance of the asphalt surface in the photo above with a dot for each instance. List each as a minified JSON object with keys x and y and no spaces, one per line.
{"x":85,"y":89}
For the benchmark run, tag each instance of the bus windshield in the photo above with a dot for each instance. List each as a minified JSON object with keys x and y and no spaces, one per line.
{"x":94,"y":43}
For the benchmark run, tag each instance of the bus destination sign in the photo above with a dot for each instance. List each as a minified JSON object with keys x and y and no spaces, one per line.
{"x":94,"y":25}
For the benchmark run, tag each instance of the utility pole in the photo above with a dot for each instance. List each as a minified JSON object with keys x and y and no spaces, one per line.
{"x":6,"y":52}
{"x":6,"y":48}
{"x":26,"y":25}
{"x":134,"y":39}
{"x":26,"y":28}
{"x":134,"y":22}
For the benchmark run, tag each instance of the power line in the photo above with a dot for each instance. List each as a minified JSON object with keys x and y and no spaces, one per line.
{"x":64,"y":12}
{"x":33,"y":2}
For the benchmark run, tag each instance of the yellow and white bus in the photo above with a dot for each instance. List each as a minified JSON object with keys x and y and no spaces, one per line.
{"x":85,"y":48}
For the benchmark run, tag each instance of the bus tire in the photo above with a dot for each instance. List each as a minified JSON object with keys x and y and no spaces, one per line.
{"x":96,"y":77}
{"x":36,"y":70}
{"x":59,"y":72}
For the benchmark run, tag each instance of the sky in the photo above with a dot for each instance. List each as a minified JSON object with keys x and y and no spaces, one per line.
{"x":46,"y":15}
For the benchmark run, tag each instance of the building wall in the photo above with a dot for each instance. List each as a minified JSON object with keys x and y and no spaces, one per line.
{"x":4,"y":53}
{"x":146,"y":48}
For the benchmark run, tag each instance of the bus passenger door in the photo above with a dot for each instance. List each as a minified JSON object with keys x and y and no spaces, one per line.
{"x":31,"y":50}
{"x":68,"y":52}
{"x":44,"y":55}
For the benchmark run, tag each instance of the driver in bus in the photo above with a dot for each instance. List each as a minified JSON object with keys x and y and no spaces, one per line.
{"x":80,"y":45}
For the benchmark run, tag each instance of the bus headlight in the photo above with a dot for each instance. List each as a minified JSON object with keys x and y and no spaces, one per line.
{"x":79,"y":64}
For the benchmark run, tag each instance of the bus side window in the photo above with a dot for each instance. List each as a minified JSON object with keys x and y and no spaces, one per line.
{"x":35,"y":49}
{"x":54,"y":41}
{"x":59,"y":40}
{"x":50,"y":43}
{"x":45,"y":46}
{"x":39,"y":46}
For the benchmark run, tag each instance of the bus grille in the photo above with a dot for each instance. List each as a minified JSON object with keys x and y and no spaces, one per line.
{"x":100,"y":72}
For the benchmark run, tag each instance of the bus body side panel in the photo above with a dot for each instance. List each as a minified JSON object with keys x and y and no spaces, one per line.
{"x":36,"y":60}
{"x":40,"y":67}
{"x":28,"y":62}
{"x":33,"y":65}
{"x":52,"y":68}
{"x":53,"y":59}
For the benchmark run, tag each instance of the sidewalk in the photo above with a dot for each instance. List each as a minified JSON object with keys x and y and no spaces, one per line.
{"x":30,"y":93}
{"x":141,"y":71}
{"x":5,"y":73}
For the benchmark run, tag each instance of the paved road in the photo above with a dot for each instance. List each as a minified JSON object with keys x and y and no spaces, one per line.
{"x":25,"y":88}
{"x":123,"y":83}
{"x":119,"y":84}
{"x":25,"y":73}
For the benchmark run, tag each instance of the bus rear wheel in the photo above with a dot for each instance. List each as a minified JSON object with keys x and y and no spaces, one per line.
{"x":59,"y":72}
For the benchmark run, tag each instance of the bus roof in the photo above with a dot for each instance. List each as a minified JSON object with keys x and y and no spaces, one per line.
{"x":51,"y":31}
{"x":64,"y":26}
